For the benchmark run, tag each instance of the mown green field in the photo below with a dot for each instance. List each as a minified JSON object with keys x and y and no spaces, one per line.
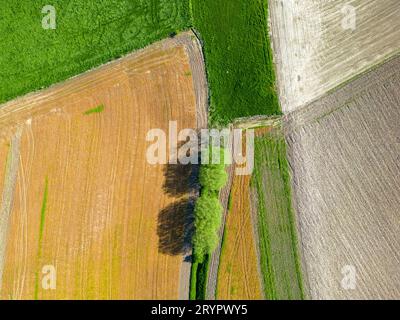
{"x":280,"y":260}
{"x":238,"y":58}
{"x":88,"y":33}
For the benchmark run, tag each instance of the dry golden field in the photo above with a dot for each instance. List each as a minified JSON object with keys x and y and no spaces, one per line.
{"x":238,"y":276}
{"x":4,"y":150}
{"x":85,"y":199}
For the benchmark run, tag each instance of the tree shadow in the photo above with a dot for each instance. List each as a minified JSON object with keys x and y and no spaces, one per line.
{"x":175,"y":222}
{"x":175,"y":228}
{"x":180,"y":179}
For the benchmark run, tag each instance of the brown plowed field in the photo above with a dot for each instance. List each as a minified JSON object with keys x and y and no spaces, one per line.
{"x":344,"y":151}
{"x":86,"y":201}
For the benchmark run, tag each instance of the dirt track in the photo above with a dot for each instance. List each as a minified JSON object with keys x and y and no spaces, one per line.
{"x":100,"y":226}
{"x":10,"y":155}
{"x":345,"y":154}
{"x":215,"y":257}
{"x":314,"y":53}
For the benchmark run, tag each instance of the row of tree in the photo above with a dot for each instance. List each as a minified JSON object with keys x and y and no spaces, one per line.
{"x":208,"y":209}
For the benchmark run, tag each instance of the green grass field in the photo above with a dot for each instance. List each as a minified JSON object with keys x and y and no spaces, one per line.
{"x":238,"y":58}
{"x":88,"y":33}
{"x":280,"y":260}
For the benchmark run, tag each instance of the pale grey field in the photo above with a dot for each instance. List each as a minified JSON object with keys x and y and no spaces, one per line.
{"x":344,"y":151}
{"x":315,"y":51}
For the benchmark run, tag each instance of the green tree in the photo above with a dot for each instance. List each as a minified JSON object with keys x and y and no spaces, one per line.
{"x":213,"y":177}
{"x":208,"y":214}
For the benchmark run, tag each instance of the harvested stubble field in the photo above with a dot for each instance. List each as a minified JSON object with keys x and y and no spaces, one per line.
{"x":84,"y":198}
{"x":345,"y":154}
{"x":4,"y":151}
{"x":315,"y":54}
{"x":238,"y":274}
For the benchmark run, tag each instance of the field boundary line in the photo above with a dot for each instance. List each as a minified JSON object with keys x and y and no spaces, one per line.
{"x":10,"y":179}
{"x":347,"y":92}
{"x":258,"y":122}
{"x":194,"y":52}
{"x":211,"y":288}
{"x":50,"y":94}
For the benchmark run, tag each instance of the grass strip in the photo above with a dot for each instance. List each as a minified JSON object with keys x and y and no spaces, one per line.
{"x":97,"y":109}
{"x":193,"y":281}
{"x":41,"y":230}
{"x":199,"y":279}
{"x":280,"y":260}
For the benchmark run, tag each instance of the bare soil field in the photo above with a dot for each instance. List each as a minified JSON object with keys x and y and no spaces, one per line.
{"x":344,"y":152}
{"x":315,"y":50}
{"x":86,"y":200}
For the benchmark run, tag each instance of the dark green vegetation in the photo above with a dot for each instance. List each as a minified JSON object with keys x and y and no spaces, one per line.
{"x":88,"y":34}
{"x":280,"y":261}
{"x":199,"y":277}
{"x":98,"y":109}
{"x":238,"y":58}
